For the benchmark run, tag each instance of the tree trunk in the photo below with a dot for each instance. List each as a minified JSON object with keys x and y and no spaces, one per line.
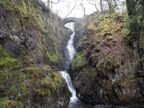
{"x":134,"y":37}
{"x":48,"y":4}
{"x":111,"y":7}
{"x":142,"y":27}
{"x":97,"y":10}
{"x":133,"y":23}
{"x":101,"y":5}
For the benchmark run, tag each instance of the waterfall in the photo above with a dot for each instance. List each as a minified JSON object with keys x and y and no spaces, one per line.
{"x":70,"y":47}
{"x":67,"y":78}
{"x":74,"y":101}
{"x":71,"y":53}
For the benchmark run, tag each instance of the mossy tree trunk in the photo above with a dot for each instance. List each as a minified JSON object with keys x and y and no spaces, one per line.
{"x":141,"y":44}
{"x":142,"y":24}
{"x":133,"y":22}
{"x":133,"y":26}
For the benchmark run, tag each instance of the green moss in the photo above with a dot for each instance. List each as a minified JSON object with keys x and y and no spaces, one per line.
{"x":7,"y":5}
{"x":5,"y":103}
{"x":7,"y":61}
{"x":6,"y":58}
{"x":79,"y":61}
{"x":109,"y":24}
{"x":83,"y":43}
{"x":19,"y":88}
{"x":20,"y":75}
{"x":51,"y":84}
{"x":26,"y":12}
{"x":51,"y":55}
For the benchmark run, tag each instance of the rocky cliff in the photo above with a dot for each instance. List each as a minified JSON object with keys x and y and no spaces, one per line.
{"x":30,"y":40}
{"x":106,"y":67}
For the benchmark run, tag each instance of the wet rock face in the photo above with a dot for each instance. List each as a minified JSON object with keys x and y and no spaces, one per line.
{"x":3,"y":34}
{"x":51,"y":101}
{"x":13,"y":47}
{"x":65,"y":51}
{"x":105,"y":68}
{"x":29,"y":53}
{"x":119,"y":88}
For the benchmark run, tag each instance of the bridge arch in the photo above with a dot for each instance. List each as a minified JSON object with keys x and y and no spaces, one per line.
{"x":70,"y":19}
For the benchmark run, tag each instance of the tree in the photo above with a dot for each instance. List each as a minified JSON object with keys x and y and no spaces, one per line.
{"x":51,"y":2}
{"x":75,"y":3}
{"x":82,"y":7}
{"x":101,"y":5}
{"x":94,"y":3}
{"x":48,"y":4}
{"x":111,"y":6}
{"x":133,"y":23}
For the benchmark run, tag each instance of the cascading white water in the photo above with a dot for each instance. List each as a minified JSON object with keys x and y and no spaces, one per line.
{"x":74,"y":101}
{"x":65,"y":75}
{"x":67,"y":78}
{"x":70,"y":47}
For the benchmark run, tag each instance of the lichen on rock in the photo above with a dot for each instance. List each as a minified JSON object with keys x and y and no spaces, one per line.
{"x":109,"y":71}
{"x":30,"y":55}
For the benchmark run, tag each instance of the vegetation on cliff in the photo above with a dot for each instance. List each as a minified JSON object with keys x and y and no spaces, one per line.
{"x":104,"y":66}
{"x":29,"y":54}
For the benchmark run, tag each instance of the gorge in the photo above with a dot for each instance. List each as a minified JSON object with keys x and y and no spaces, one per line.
{"x":96,"y":63}
{"x":74,"y":101}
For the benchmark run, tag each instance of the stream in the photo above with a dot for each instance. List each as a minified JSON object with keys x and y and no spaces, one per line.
{"x":74,"y":101}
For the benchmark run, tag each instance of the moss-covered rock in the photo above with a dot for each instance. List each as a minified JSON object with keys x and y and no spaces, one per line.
{"x":104,"y":68}
{"x":51,"y":84}
{"x":79,"y":61}
{"x":5,"y":103}
{"x":30,"y":55}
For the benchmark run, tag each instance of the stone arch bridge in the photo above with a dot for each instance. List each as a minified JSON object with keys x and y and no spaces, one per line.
{"x":70,"y":19}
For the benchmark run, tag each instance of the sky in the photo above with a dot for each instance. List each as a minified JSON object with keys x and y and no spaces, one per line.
{"x":65,"y":6}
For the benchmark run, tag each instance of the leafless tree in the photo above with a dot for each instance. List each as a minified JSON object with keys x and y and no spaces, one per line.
{"x":94,"y":3}
{"x":48,"y":4}
{"x":51,"y":2}
{"x":82,"y":7}
{"x":74,"y":6}
{"x":115,"y":3}
{"x":101,"y":5}
{"x":111,"y":6}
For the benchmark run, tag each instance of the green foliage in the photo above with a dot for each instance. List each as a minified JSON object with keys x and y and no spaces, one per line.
{"x":26,"y":12}
{"x":103,"y":45}
{"x":5,"y":103}
{"x":79,"y":60}
{"x":7,"y":5}
{"x":51,"y":84}
{"x":20,"y":104}
{"x":108,"y":25}
{"x":52,"y":57}
{"x":7,"y":61}
{"x":50,"y":53}
{"x":18,"y":88}
{"x":19,"y":75}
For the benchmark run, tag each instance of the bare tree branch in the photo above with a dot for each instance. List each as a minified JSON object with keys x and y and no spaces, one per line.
{"x":94,"y":3}
{"x":101,"y":5}
{"x":82,"y":5}
{"x":72,"y":9}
